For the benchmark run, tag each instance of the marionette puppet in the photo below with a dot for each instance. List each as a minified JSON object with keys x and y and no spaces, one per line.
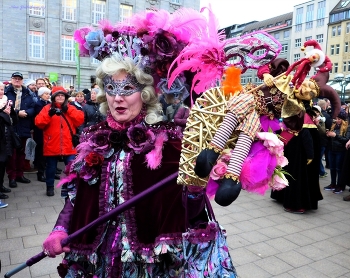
{"x":246,"y":110}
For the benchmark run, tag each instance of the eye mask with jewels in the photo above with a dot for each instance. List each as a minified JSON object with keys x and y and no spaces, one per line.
{"x":126,"y":87}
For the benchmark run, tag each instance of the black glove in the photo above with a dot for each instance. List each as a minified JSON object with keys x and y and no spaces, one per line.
{"x":205,"y":162}
{"x":227,"y":192}
{"x":52,"y":112}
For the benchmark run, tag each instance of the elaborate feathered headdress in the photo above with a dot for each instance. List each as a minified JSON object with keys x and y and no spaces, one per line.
{"x":153,"y":39}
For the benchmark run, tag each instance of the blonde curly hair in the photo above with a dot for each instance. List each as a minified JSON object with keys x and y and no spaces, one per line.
{"x":116,"y":64}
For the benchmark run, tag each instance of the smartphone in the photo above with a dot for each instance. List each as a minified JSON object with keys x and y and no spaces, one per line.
{"x":9,"y":102}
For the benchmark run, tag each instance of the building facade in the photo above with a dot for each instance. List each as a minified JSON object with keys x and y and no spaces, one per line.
{"x":310,"y":22}
{"x":38,"y":35}
{"x":338,"y":46}
{"x":278,"y":27}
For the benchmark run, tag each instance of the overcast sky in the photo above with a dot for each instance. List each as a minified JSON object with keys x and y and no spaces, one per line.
{"x":231,"y":12}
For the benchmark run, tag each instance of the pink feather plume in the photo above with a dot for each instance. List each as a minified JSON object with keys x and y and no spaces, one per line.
{"x":204,"y":55}
{"x":154,"y":157}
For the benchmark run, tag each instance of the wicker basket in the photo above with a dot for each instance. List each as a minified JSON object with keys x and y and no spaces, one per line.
{"x":204,"y":119}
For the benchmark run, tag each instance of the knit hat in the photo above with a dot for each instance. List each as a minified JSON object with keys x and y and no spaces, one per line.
{"x":43,"y":90}
{"x":28,"y":82}
{"x":317,"y":108}
{"x":342,"y":115}
{"x":58,"y":90}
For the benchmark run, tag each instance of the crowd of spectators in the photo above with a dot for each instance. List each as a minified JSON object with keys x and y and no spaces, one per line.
{"x":33,"y":108}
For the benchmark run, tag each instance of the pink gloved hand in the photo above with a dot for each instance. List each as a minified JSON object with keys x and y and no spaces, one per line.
{"x":52,"y":244}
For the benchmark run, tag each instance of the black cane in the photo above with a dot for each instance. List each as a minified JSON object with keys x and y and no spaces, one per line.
{"x":119,"y":209}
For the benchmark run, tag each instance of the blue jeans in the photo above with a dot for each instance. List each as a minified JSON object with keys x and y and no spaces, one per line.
{"x":336,"y":160}
{"x":322,"y":171}
{"x":51,"y":166}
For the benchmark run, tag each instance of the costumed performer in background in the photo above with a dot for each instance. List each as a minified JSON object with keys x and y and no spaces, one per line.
{"x":122,"y":157}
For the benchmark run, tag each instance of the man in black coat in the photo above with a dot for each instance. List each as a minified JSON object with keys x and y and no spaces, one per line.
{"x":23,"y":104}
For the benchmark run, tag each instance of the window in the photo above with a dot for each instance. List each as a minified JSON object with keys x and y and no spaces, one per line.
{"x":344,"y":3}
{"x":125,"y":11}
{"x":334,"y":30}
{"x":346,"y":47}
{"x":277,"y":36}
{"x":278,"y":23}
{"x":308,"y":38}
{"x":37,"y":7}
{"x":320,"y":22}
{"x":67,"y":80}
{"x":36,"y":75}
{"x":309,"y":13}
{"x":69,"y":10}
{"x":249,"y":79}
{"x":344,"y":66}
{"x":308,"y":25}
{"x":98,"y":10}
{"x":338,"y":30}
{"x":348,"y":27}
{"x":36,"y":45}
{"x":299,"y":16}
{"x":269,"y":25}
{"x":335,"y":67}
{"x":337,"y":48}
{"x":286,"y":34}
{"x":332,"y":49}
{"x":67,"y":49}
{"x":297,"y":42}
{"x":95,"y":61}
{"x":321,"y":13}
{"x":319,"y":38}
{"x":296,"y":57}
{"x":289,"y":22}
{"x":298,"y":27}
{"x":243,"y":80}
{"x":284,"y":48}
{"x":348,"y":65}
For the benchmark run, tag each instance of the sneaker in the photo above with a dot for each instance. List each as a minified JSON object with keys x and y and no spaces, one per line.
{"x":329,"y":187}
{"x":3,"y":205}
{"x":298,"y":211}
{"x":324,"y":175}
{"x":337,"y":190}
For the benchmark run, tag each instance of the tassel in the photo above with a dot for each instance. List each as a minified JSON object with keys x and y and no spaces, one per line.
{"x":232,"y":81}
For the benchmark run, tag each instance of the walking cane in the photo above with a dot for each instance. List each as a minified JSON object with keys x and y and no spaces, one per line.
{"x":119,"y":209}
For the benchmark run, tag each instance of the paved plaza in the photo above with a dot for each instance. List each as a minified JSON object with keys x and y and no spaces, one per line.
{"x":264,"y":240}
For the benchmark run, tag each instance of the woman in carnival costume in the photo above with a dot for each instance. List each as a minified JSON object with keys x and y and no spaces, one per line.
{"x":124,"y":155}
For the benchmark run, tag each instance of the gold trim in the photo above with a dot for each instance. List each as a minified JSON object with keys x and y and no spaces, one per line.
{"x":215,"y":148}
{"x":231,"y":176}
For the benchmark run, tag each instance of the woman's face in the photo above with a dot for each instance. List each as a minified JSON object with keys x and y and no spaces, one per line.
{"x":79,"y":98}
{"x":338,"y":121}
{"x":93,"y":96}
{"x":45,"y":96}
{"x":60,"y":98}
{"x":2,"y":91}
{"x":124,"y":108}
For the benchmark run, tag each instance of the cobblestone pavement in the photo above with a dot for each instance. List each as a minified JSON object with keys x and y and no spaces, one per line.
{"x":264,"y":240}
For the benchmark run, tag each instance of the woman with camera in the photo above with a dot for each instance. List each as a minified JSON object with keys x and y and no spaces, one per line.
{"x":57,"y":120}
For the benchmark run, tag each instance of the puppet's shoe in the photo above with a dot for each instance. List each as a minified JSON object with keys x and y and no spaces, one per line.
{"x":205,"y":162}
{"x":227,"y":192}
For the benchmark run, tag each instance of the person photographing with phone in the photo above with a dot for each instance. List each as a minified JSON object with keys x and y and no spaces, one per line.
{"x":56,"y":133}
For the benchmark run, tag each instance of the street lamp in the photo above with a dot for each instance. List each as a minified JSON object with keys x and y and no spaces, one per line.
{"x":343,"y":81}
